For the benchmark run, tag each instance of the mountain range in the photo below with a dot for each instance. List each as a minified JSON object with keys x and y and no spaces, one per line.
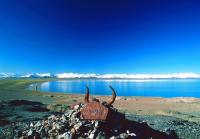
{"x":101,"y":76}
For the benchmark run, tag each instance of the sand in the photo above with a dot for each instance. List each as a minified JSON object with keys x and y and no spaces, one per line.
{"x":182,"y":107}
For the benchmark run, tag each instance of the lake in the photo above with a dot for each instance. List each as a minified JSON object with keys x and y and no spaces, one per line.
{"x":154,"y":88}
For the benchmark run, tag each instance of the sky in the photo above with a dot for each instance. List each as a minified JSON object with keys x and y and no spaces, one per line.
{"x":100,"y":36}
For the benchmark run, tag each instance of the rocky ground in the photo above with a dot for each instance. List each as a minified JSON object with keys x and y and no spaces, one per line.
{"x":173,"y":116}
{"x":183,"y":128}
{"x":70,"y":125}
{"x":26,"y":119}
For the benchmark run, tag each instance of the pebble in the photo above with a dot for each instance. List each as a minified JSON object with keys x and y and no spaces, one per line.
{"x":123,"y":135}
{"x":96,"y":124}
{"x":66,"y":126}
{"x":31,"y":125}
{"x":92,"y":134}
{"x":30,"y":132}
{"x":38,"y":124}
{"x":76,"y":107}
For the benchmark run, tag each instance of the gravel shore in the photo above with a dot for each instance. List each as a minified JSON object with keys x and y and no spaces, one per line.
{"x":180,"y":116}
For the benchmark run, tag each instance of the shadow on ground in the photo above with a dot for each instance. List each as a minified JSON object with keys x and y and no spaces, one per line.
{"x":23,"y":110}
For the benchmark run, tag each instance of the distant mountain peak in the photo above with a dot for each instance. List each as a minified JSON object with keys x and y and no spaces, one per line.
{"x":71,"y":75}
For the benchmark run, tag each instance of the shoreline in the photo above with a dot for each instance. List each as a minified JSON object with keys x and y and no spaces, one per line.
{"x":65,"y":93}
{"x":179,"y":113}
{"x":180,"y":107}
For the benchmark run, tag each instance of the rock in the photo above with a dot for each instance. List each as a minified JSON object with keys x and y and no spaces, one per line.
{"x":31,"y":125}
{"x":77,"y":126}
{"x":92,"y":134}
{"x":100,"y":136}
{"x":123,"y":135}
{"x":36,"y":136}
{"x":73,"y":130}
{"x":63,"y":119}
{"x":43,"y":133}
{"x":66,"y":135}
{"x":132,"y":134}
{"x":96,"y":124}
{"x":19,"y":133}
{"x":69,"y":125}
{"x":76,"y":107}
{"x":38,"y":124}
{"x":30,"y":132}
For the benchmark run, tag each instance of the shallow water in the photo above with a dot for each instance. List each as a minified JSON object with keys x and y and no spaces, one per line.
{"x":154,"y":88}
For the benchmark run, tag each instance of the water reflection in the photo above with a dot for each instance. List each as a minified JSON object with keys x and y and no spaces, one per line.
{"x":160,"y":88}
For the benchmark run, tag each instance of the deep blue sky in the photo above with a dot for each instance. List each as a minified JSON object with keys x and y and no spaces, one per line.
{"x":118,"y":36}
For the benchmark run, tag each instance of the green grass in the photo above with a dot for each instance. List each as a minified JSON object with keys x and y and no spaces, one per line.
{"x":11,"y":89}
{"x":18,"y":89}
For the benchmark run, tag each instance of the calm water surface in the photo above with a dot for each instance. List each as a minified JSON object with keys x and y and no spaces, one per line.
{"x":155,"y":88}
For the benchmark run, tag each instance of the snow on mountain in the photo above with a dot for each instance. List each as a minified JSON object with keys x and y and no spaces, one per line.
{"x":28,"y":75}
{"x":44,"y":75}
{"x":37,"y":75}
{"x":151,"y":76}
{"x":129,"y":76}
{"x":101,"y":76}
{"x":75,"y":75}
{"x":7,"y":75}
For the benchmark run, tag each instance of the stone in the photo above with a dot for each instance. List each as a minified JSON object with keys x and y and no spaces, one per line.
{"x":43,"y":133}
{"x":96,"y":124}
{"x":67,"y":135}
{"x":77,"y":126}
{"x":30,"y":132}
{"x":19,"y":133}
{"x":94,"y":111}
{"x":38,"y":124}
{"x":100,"y":136}
{"x":76,"y":107}
{"x":92,"y":134}
{"x":123,"y":135}
{"x":31,"y":124}
{"x":70,"y":125}
{"x":132,"y":134}
{"x":36,"y":136}
{"x":73,"y":130}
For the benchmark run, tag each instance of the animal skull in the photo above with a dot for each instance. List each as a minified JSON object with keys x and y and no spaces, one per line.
{"x":95,"y":110}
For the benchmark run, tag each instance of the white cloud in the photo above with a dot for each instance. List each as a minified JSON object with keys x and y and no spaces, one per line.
{"x":129,"y":76}
{"x":102,"y":76}
{"x":44,"y":75}
{"x":26,"y":75}
{"x":37,"y":75}
{"x":7,"y":75}
{"x":74,"y":75}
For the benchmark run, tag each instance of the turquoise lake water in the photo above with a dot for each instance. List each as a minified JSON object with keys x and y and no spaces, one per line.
{"x":154,"y":88}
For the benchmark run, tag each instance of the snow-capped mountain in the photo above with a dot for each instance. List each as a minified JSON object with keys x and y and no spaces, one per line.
{"x":28,"y":75}
{"x":37,"y":75}
{"x":101,"y":76}
{"x":75,"y":75}
{"x":129,"y":76}
{"x":7,"y":75}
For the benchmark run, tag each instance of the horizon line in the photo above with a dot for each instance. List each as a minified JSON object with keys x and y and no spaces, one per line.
{"x":71,"y":75}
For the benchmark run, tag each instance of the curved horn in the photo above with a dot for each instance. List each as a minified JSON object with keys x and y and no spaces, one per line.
{"x":87,"y":95}
{"x":112,"y":100}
